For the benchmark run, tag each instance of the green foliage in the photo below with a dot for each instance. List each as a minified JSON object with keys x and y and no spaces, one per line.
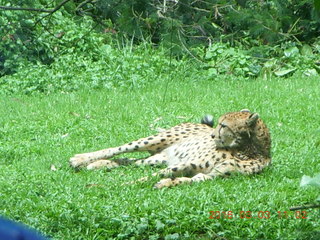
{"x":112,"y":68}
{"x":291,"y":57}
{"x":19,"y":43}
{"x":195,"y":22}
{"x":263,"y":61}
{"x":108,"y":67}
{"x":81,"y":27}
{"x":223,"y":59}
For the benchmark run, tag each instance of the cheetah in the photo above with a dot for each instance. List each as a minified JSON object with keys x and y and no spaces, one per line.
{"x":195,"y":152}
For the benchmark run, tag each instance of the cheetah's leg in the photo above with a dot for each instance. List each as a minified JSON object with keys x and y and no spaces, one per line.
{"x":104,"y":163}
{"x":232,"y":165}
{"x":154,"y":143}
{"x":176,"y":170}
{"x":159,"y":158}
{"x":168,"y":182}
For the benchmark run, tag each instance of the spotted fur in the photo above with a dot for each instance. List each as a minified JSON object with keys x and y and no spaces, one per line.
{"x":196,"y":152}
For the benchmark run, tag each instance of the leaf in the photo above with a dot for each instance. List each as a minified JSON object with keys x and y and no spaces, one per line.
{"x":159,"y":225}
{"x":65,"y":135}
{"x":306,"y":50}
{"x":293,"y":51}
{"x":284,"y":72}
{"x":142,"y":227}
{"x":311,"y":181}
{"x":310,"y":72}
{"x":270,"y":63}
{"x":53,"y":168}
{"x":74,"y":114}
{"x":172,"y":236}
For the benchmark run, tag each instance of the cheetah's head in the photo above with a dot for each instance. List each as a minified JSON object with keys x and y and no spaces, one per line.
{"x":235,"y":129}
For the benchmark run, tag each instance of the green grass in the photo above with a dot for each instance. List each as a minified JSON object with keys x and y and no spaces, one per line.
{"x":38,"y":131}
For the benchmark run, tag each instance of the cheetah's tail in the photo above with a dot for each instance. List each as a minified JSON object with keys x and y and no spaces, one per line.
{"x":208,"y":120}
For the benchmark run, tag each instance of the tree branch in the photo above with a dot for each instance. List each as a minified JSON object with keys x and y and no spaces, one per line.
{"x":305,"y":207}
{"x":50,"y":11}
{"x":25,"y":9}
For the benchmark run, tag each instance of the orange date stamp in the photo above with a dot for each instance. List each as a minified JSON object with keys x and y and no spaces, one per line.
{"x":259,"y":214}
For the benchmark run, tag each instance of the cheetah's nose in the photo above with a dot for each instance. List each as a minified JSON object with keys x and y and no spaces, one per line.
{"x":212,"y":135}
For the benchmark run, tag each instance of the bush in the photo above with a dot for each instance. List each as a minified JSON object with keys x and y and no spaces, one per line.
{"x":112,"y":68}
{"x":79,"y":25}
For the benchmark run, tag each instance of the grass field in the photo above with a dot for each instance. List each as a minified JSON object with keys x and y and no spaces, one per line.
{"x":39,"y":131}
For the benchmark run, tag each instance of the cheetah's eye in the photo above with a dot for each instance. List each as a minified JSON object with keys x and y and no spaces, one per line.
{"x":223,"y":125}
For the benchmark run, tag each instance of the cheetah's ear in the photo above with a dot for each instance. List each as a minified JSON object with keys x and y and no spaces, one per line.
{"x":252,"y":120}
{"x":245,"y":110}
{"x":208,"y":120}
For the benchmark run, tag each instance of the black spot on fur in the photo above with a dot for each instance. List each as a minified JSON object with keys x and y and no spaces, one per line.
{"x":162,"y":140}
{"x":145,"y":142}
{"x":207,"y":164}
{"x":217,"y":159}
{"x":174,"y":169}
{"x":227,"y":173}
{"x":136,"y":147}
{"x":150,"y":138}
{"x":193,"y":166}
{"x":130,"y":143}
{"x":224,"y":155}
{"x":169,"y":135}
